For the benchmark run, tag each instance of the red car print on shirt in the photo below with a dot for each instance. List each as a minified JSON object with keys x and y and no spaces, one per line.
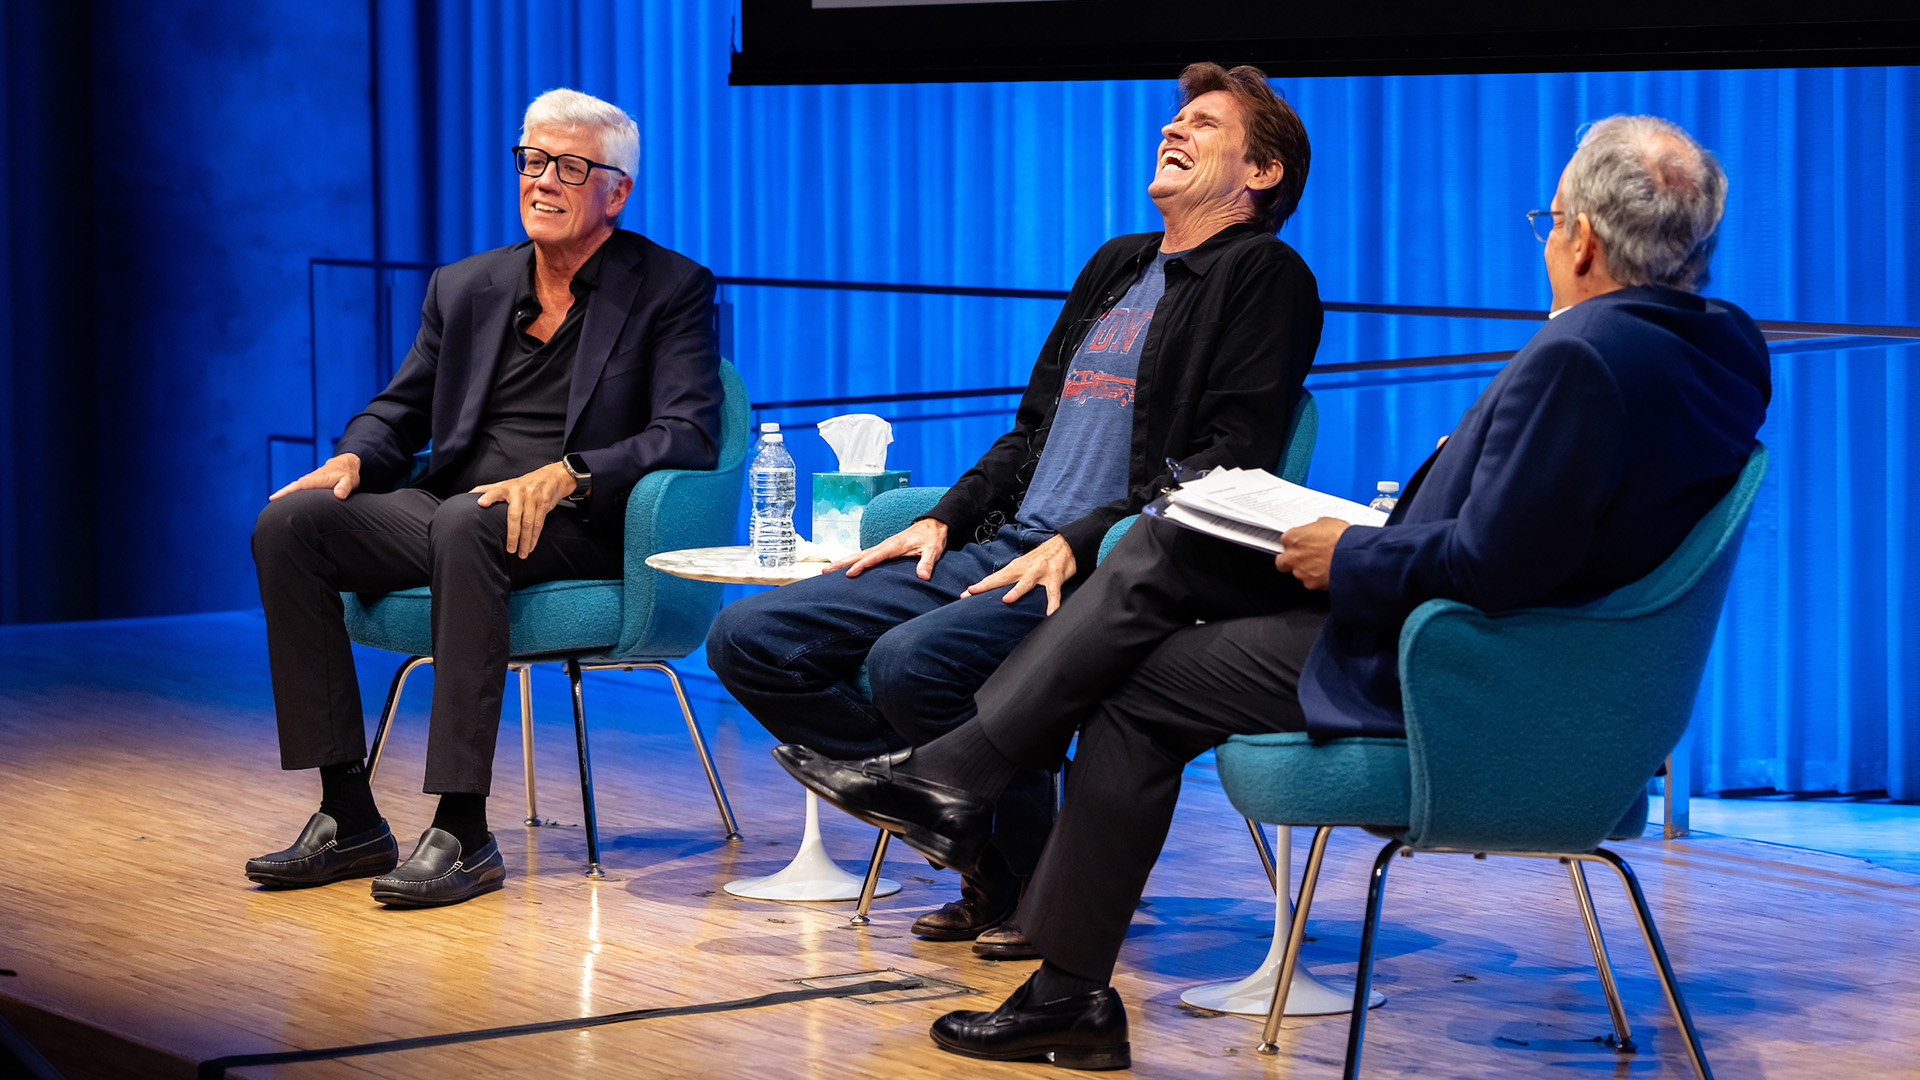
{"x":1085,"y":386}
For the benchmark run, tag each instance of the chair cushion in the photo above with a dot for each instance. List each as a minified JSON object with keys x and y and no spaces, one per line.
{"x":1286,"y":779}
{"x":555,"y":616}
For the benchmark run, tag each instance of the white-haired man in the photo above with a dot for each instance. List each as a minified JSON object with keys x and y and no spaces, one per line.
{"x":1583,"y":465}
{"x":549,"y":375}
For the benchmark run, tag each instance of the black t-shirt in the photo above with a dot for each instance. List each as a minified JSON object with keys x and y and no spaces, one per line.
{"x":525,"y":420}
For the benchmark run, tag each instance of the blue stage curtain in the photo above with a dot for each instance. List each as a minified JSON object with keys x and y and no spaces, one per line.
{"x":1417,"y":192}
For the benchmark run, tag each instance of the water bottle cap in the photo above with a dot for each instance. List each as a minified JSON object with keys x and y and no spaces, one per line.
{"x":775,"y":437}
{"x":769,"y":426}
{"x":1388,"y":486}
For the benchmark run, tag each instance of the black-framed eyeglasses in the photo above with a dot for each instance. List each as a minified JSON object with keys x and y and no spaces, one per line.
{"x":1551,"y":216}
{"x":573,"y":169}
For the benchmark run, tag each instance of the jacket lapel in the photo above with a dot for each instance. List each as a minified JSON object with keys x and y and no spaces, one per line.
{"x":607,"y":313}
{"x":492,"y":307}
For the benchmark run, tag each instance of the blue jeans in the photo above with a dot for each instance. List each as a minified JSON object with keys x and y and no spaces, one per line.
{"x":795,"y":657}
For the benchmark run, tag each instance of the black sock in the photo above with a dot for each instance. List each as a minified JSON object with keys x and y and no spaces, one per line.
{"x":964,"y":758}
{"x":347,"y":799}
{"x":1052,"y":982}
{"x":465,"y":816}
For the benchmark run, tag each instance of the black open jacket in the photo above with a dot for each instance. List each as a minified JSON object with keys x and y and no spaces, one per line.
{"x":1229,"y":345}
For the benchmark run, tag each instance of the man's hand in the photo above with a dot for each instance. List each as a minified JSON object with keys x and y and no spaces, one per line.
{"x":925,"y":540}
{"x":340,"y":472}
{"x":529,"y":500}
{"x":1050,"y":566}
{"x":1309,"y":554}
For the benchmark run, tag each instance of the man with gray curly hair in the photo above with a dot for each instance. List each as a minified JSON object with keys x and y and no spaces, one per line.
{"x":1581,"y":467}
{"x":549,"y":376}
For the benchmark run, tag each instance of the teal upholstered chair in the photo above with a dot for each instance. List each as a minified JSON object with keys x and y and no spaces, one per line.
{"x":1529,"y":733}
{"x":642,"y":621}
{"x":894,"y":510}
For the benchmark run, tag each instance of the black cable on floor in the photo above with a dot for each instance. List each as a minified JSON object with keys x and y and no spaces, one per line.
{"x":216,"y":1068}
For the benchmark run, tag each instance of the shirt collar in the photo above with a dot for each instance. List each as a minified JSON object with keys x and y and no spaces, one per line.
{"x":1200,"y":259}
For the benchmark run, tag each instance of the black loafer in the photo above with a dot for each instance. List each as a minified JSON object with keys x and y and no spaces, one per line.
{"x":436,"y":873}
{"x":987,"y":900}
{"x":1005,"y":942}
{"x":946,"y":824}
{"x":320,"y":856}
{"x":1086,"y":1031}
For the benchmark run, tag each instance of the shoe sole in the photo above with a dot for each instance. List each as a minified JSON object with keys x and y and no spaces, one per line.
{"x":1005,"y":952}
{"x":410,"y":900}
{"x":281,"y":881}
{"x":1098,"y":1059}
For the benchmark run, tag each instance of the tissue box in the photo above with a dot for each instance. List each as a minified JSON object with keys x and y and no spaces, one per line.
{"x":840,"y":498}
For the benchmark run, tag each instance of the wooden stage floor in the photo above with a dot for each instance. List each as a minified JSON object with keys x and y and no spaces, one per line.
{"x":138,"y":770}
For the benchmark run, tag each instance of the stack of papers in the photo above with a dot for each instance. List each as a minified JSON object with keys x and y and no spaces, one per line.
{"x":1253,"y":508}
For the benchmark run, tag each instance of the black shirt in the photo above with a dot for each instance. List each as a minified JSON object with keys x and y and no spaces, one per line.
{"x":525,"y":421}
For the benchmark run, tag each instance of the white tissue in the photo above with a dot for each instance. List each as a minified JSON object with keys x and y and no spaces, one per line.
{"x":860,"y":440}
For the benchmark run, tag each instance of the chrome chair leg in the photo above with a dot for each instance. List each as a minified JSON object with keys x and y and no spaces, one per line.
{"x":586,"y":772}
{"x":526,"y":735}
{"x":1622,"y":1034}
{"x":1652,"y":935}
{"x":1266,"y":853}
{"x":872,"y":883}
{"x":727,"y":820}
{"x":1363,"y":982}
{"x":1296,"y":936}
{"x":393,"y":706}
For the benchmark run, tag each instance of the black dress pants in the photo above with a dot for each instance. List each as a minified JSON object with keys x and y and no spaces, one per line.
{"x":309,"y":547}
{"x":1149,"y":690}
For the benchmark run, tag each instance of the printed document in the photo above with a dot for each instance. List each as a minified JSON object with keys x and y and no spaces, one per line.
{"x":1253,"y":508}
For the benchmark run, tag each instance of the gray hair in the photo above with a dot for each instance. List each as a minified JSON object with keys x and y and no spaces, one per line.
{"x":569,"y":110}
{"x":1653,"y":196}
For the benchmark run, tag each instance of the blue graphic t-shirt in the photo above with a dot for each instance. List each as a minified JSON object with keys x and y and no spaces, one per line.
{"x":1084,"y":464}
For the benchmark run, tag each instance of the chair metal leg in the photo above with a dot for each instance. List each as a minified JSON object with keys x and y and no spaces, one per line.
{"x":1622,"y":1034}
{"x":586,"y":772}
{"x":727,"y":820}
{"x":1363,"y":984}
{"x":1652,"y":935}
{"x":1266,"y":853}
{"x":1296,"y":936}
{"x":526,"y":735}
{"x":393,"y":706}
{"x":868,"y":887}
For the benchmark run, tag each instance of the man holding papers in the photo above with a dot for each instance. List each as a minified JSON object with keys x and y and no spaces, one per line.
{"x":1581,"y":467}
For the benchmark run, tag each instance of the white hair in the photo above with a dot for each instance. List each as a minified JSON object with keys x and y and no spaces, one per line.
{"x":1653,"y":196}
{"x":570,"y":110}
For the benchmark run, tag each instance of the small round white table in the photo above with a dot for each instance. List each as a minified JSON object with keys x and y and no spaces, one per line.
{"x":812,"y":875}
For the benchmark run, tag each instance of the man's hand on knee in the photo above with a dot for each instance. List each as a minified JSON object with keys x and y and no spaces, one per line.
{"x":925,"y":540}
{"x":1050,"y":566}
{"x":529,"y":500}
{"x":340,"y":472}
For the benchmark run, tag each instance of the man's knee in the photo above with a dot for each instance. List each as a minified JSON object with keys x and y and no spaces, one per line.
{"x":738,"y":639}
{"x":293,"y":519}
{"x":462,"y":518}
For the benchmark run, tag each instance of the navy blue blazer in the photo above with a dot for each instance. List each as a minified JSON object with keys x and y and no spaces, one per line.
{"x":646,"y":376}
{"x":1580,"y":469}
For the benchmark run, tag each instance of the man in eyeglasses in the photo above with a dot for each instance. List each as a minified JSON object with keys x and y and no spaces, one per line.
{"x":1583,"y":465}
{"x":549,"y":376}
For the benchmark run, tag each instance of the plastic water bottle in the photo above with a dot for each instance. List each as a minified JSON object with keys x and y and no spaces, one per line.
{"x":1387,"y":497}
{"x":759,"y":444}
{"x":771,"y":479}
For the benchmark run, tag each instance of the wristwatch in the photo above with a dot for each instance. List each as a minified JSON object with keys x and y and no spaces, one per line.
{"x":582,"y":476}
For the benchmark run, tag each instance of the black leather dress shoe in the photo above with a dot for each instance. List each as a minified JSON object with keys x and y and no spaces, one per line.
{"x":437,"y":874}
{"x":1005,"y":942}
{"x":1085,"y":1031}
{"x":321,"y":856}
{"x":946,"y":824}
{"x":987,"y":900}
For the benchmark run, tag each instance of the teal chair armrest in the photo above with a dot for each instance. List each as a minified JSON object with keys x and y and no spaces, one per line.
{"x":1302,"y":433}
{"x":1113,"y":536}
{"x":891,"y":511}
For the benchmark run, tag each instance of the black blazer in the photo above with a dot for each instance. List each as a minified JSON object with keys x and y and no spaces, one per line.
{"x":1586,"y":461}
{"x":646,"y":378}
